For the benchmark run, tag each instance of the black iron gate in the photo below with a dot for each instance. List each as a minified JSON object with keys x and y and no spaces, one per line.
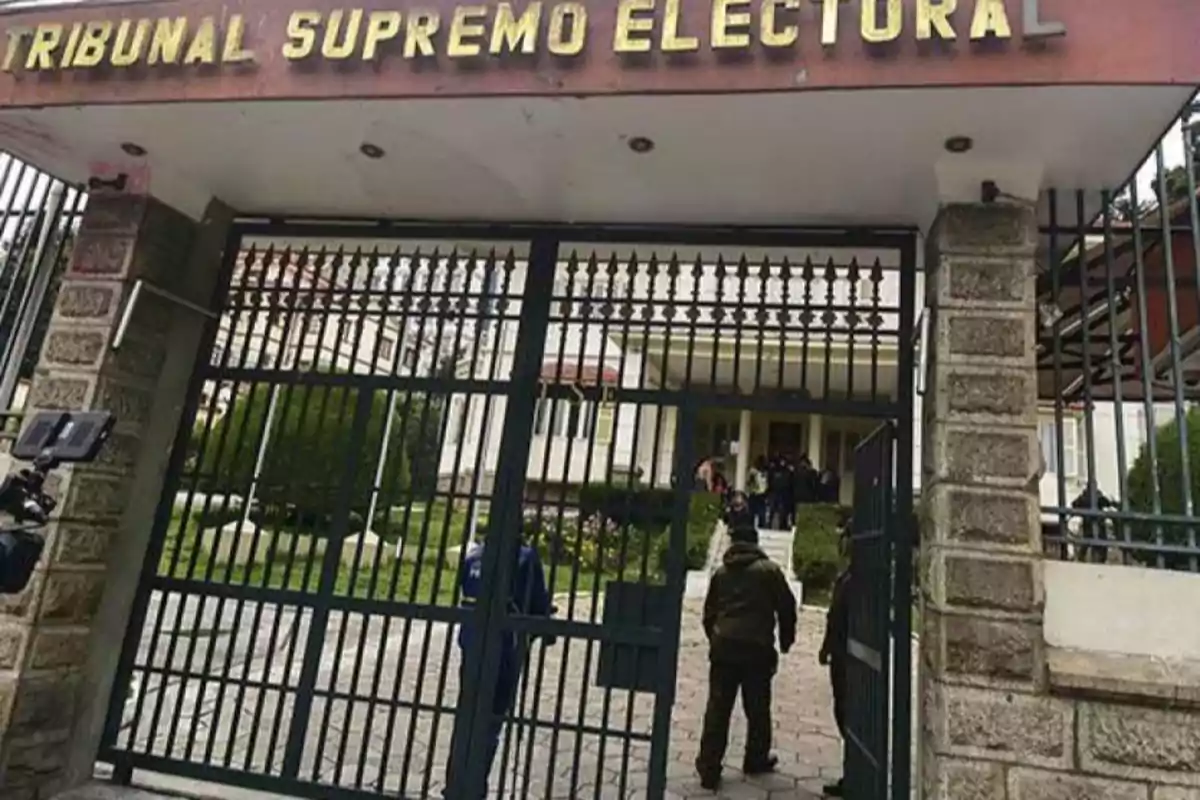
{"x":376,"y":400}
{"x":877,"y":752}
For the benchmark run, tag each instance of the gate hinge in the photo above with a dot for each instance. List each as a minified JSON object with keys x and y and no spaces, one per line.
{"x":140,"y":286}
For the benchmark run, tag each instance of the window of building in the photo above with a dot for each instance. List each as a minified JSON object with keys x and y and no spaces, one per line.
{"x":1069,"y":462}
{"x":604,"y":423}
{"x":1137,"y":432}
{"x":386,"y":347}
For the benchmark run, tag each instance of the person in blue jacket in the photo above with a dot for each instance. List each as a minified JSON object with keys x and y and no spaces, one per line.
{"x":528,"y":596}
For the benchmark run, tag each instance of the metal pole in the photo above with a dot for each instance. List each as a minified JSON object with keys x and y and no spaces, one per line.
{"x":43,"y":269}
{"x":261,"y":457}
{"x":379,"y":467}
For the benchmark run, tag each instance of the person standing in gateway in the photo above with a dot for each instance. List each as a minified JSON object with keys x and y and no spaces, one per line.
{"x":747,"y":597}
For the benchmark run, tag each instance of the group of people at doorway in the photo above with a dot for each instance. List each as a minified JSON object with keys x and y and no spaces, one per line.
{"x":747,"y":602}
{"x":776,"y":486}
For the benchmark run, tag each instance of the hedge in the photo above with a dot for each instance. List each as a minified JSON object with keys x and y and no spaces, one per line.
{"x":816,"y":557}
{"x":307,"y":454}
{"x":1169,"y":457}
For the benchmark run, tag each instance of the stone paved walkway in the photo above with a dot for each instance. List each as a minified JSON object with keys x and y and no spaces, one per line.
{"x":806,"y":739}
{"x":361,"y":737}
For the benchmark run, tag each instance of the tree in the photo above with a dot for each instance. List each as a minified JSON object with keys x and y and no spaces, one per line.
{"x":1170,"y":481}
{"x":309,"y":453}
{"x":424,"y":435}
{"x":1176,"y":180}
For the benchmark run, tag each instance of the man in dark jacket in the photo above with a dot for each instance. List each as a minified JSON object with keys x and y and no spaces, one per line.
{"x":747,"y":596}
{"x":835,"y":646}
{"x":739,"y":518}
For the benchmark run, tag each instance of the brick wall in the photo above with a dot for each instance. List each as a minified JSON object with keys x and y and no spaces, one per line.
{"x":52,"y":634}
{"x":993,"y":722}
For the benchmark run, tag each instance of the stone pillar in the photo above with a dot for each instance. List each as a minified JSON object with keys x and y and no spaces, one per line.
{"x":983,"y":704}
{"x":745,"y":426}
{"x":60,"y":639}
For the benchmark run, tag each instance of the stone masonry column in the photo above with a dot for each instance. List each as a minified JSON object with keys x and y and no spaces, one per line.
{"x":983,"y":703}
{"x":60,"y":639}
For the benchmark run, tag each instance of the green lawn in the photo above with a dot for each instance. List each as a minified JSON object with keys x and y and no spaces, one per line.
{"x":425,"y":575}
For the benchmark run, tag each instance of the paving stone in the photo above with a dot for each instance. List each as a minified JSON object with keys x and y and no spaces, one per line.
{"x":405,"y":751}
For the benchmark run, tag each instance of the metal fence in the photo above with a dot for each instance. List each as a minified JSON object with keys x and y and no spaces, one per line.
{"x":39,"y":215}
{"x":1119,"y":365}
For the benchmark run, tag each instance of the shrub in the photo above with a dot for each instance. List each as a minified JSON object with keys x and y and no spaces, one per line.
{"x":1169,"y":457}
{"x":816,"y":559}
{"x":703,"y":515}
{"x":307,"y":454}
{"x":557,"y":541}
{"x":643,"y":507}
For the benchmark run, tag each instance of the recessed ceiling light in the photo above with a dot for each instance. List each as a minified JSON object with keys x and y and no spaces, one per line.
{"x":960,"y":144}
{"x":135,"y":150}
{"x":371,"y":150}
{"x":640,"y":144}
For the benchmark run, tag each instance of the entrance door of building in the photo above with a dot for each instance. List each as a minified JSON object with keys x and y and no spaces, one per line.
{"x":316,"y":615}
{"x":786,"y":439}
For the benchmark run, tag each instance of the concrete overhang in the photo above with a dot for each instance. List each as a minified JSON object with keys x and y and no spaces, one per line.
{"x":849,"y":133}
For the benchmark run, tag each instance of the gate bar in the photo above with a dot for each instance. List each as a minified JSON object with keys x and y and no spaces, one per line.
{"x":504,"y":528}
{"x":902,"y":541}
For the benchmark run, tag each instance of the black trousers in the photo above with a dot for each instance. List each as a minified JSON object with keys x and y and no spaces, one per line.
{"x":726,"y":678}
{"x":837,"y":680}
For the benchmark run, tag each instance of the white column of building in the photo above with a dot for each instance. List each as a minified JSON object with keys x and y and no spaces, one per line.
{"x":816,"y":433}
{"x":743,"y":453}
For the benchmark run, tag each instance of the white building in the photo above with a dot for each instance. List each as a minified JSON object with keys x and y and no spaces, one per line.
{"x":671,"y":330}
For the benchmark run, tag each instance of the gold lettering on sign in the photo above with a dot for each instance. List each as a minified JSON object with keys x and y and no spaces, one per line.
{"x":418,"y":39}
{"x":333,"y":49}
{"x":166,"y":45}
{"x":830,"y":11}
{"x":476,"y":28}
{"x":933,"y":19}
{"x":41,"y":51}
{"x":566,"y":17}
{"x":235,"y":51}
{"x":725,"y":20}
{"x":126,"y":53}
{"x":510,"y":34}
{"x":91,"y":44}
{"x":889,"y":31}
{"x":382,"y":26}
{"x":633,"y":28}
{"x":991,"y":19}
{"x":15,"y":37}
{"x":772,"y":34}
{"x":467,"y":32}
{"x":301,"y":34}
{"x":72,"y":43}
{"x":672,"y":40}
{"x":203,"y":49}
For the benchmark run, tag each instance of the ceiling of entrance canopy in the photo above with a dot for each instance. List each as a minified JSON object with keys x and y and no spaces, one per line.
{"x":856,"y":157}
